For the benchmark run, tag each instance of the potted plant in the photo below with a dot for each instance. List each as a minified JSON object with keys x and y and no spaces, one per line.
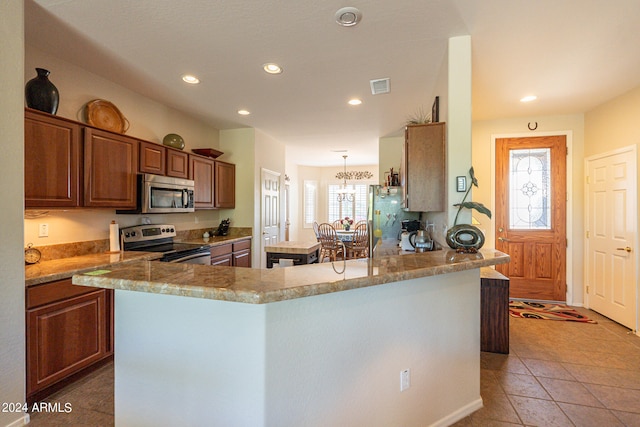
{"x":467,"y":237}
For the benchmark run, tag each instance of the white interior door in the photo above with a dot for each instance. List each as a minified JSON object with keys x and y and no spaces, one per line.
{"x":270,"y":211}
{"x":611,"y":249}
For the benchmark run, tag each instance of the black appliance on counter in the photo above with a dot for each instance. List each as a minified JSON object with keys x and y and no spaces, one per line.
{"x":159,"y":238}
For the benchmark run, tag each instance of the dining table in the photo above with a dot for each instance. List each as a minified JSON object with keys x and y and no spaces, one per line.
{"x":345,"y":235}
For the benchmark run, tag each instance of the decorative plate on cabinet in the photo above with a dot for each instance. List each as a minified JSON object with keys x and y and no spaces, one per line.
{"x":104,"y":115}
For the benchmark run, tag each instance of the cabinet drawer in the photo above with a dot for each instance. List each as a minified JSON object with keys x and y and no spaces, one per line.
{"x":54,"y":291}
{"x":244,"y":244}
{"x":221,"y":250}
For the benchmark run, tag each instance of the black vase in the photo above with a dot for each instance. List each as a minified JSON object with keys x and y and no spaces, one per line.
{"x":41,"y":94}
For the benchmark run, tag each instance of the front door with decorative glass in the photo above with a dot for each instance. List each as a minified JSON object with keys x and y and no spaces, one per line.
{"x":531,"y":215}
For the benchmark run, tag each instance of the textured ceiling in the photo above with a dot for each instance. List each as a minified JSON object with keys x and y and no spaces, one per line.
{"x":573,"y":54}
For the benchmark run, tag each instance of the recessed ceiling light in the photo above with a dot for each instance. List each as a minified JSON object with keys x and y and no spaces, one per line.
{"x":529,"y":98}
{"x":348,"y":16}
{"x":272,"y":68}
{"x":244,"y":112}
{"x":187,"y":78}
{"x":355,"y":101}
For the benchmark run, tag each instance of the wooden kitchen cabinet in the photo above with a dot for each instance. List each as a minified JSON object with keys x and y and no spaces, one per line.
{"x":69,"y":330}
{"x":424,"y":171}
{"x":177,"y":163}
{"x":52,"y":161}
{"x":110,"y":168}
{"x":237,"y":254}
{"x":201,"y":171}
{"x":242,"y":253}
{"x":224,"y":185}
{"x":152,"y":158}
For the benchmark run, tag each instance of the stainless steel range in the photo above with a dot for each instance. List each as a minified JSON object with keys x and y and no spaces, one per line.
{"x":159,"y":238}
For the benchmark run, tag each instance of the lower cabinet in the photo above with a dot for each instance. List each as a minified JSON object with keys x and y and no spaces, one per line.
{"x":68,"y":329}
{"x":237,"y":254}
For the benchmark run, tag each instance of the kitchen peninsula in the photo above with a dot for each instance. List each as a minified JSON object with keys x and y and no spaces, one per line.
{"x":312,"y":345}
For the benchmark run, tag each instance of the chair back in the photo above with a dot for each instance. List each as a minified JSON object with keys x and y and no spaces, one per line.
{"x":337,"y":224}
{"x":315,"y":230}
{"x":360,"y":242}
{"x":327,"y":236}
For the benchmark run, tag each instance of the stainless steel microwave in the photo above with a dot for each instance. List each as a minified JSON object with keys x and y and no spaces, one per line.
{"x":162,"y":194}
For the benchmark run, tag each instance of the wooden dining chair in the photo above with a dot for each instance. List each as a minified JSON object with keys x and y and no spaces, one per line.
{"x":330,"y":246}
{"x":359,"y":246}
{"x":337,"y":224}
{"x":315,"y":230}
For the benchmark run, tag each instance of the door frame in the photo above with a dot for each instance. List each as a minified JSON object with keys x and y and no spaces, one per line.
{"x":634,"y":150}
{"x":568,"y":134}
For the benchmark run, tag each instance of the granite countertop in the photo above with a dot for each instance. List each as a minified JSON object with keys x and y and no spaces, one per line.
{"x":63,"y":268}
{"x":214,"y":240}
{"x":259,"y":286}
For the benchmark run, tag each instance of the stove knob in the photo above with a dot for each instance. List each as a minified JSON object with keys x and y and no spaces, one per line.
{"x":172,"y":230}
{"x":126,"y":234}
{"x":133,"y":234}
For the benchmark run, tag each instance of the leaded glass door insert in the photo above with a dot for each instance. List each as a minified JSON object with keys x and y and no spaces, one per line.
{"x":530,"y":189}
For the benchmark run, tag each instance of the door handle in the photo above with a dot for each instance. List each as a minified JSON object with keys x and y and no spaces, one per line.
{"x":502,"y":239}
{"x":627,"y":248}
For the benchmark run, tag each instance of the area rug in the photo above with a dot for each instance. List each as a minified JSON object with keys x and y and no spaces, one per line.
{"x":538,"y":310}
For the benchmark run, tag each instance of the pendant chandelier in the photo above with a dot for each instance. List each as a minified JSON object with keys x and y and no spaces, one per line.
{"x":345,"y":194}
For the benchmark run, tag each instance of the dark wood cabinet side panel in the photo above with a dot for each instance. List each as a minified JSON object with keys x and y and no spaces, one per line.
{"x":52,"y":161}
{"x":177,"y":163}
{"x":152,"y":158}
{"x":225,"y":185}
{"x":64,"y":337}
{"x":111,"y":164}
{"x":202,"y":173}
{"x":425,"y":160}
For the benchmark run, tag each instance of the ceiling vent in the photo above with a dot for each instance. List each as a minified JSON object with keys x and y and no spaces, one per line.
{"x":379,"y":86}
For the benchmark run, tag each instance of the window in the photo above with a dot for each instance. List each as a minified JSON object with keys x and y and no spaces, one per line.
{"x":530,"y":189}
{"x":356,"y":209}
{"x":310,"y":203}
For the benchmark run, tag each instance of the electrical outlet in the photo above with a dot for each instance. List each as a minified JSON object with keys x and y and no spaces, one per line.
{"x":405,"y":379}
{"x":43,"y":230}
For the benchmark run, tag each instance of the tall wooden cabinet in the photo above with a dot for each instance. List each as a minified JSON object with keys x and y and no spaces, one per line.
{"x":424,"y":169}
{"x":68,"y":329}
{"x":201,"y":171}
{"x":53,"y":162}
{"x":225,"y":185}
{"x":111,"y":165}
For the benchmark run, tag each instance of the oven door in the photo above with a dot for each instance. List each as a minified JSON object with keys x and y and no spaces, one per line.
{"x":202,"y":259}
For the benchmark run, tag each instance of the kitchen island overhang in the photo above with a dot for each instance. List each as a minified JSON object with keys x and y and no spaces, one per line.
{"x":308,"y":355}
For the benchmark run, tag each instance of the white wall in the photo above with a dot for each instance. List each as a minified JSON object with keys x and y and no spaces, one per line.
{"x":326,"y":360}
{"x":149,"y":120}
{"x":389,"y":156}
{"x":484,"y":133}
{"x":12,"y":327}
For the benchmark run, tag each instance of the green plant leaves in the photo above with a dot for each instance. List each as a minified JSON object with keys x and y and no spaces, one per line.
{"x":475,"y":205}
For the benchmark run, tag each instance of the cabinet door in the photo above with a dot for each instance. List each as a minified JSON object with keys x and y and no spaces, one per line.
{"x":201,"y":172}
{"x":65,"y":337}
{"x":152,"y":158}
{"x":225,"y":185}
{"x":177,"y":163}
{"x":110,"y":167}
{"x":242,"y":258}
{"x":222,"y":260}
{"x":425,"y":161}
{"x":52,"y":156}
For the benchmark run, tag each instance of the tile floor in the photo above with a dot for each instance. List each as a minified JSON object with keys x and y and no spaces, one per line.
{"x":561,"y":373}
{"x":557,"y":374}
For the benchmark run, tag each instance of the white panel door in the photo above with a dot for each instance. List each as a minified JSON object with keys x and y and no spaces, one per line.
{"x":611,"y":260}
{"x":270,"y":211}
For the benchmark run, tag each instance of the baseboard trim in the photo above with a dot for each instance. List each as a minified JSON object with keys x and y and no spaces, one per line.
{"x":22,"y":421}
{"x":456,"y":416}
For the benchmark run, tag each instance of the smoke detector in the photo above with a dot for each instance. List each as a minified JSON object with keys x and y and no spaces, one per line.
{"x":379,"y":86}
{"x":348,"y":16}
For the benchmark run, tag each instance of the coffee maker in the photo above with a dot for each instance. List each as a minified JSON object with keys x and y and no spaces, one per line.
{"x":410,"y":228}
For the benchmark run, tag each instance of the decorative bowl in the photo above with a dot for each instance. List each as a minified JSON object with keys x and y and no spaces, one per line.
{"x":173,"y":140}
{"x":209,"y":152}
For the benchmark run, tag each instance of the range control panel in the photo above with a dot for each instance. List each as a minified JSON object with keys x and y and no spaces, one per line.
{"x":146,"y":233}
